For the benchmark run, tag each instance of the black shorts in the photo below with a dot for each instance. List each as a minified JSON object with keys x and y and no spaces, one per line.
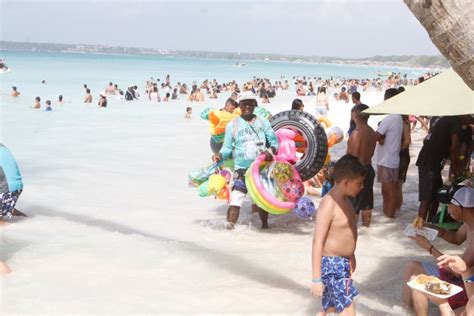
{"x":429,"y":181}
{"x":404,"y":163}
{"x":365,"y":199}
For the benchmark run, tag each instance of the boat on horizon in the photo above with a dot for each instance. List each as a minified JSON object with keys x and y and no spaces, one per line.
{"x":239,"y":65}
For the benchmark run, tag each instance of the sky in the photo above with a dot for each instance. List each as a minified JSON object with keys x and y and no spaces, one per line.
{"x":351,"y":28}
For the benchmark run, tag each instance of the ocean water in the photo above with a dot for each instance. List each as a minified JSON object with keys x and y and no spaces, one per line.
{"x":113,"y":227}
{"x":66,"y":73}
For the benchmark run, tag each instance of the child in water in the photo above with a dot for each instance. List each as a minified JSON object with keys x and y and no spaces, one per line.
{"x":48,"y":106}
{"x":335,"y":237}
{"x":37,"y":104}
{"x":189,"y":111}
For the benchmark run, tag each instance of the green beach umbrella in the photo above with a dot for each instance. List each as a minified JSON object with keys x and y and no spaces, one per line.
{"x":443,"y":95}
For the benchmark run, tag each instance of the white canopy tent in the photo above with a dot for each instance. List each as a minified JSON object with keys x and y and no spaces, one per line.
{"x":443,"y":95}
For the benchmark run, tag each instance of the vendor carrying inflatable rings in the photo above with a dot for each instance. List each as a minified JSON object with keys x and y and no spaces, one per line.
{"x":246,"y":137}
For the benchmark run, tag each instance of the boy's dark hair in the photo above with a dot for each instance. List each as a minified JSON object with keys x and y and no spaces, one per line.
{"x":188,"y":109}
{"x":348,"y":167}
{"x":356,"y":96}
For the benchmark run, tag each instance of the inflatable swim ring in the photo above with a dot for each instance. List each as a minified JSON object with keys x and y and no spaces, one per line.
{"x":264,"y":199}
{"x":325,"y":121}
{"x":260,"y":200}
{"x":311,"y":140}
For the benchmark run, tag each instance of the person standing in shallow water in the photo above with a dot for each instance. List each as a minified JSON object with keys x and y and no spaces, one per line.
{"x":15,"y":92}
{"x":245,"y":138}
{"x":11,"y":185}
{"x":88,"y":96}
{"x":37,"y":104}
{"x":103,"y":101}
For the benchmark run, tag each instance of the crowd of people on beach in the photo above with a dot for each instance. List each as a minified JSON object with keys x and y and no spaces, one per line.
{"x":346,"y":185}
{"x":350,"y":193}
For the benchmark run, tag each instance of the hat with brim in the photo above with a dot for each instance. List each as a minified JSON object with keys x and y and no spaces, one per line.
{"x":464,"y":197}
{"x":102,"y":94}
{"x":247,"y":95}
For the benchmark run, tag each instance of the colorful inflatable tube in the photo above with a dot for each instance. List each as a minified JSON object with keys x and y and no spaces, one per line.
{"x":259,"y":199}
{"x":264,"y":199}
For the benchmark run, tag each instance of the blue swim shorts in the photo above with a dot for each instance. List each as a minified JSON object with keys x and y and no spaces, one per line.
{"x":339,"y":290}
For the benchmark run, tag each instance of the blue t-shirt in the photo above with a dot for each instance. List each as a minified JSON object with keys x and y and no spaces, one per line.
{"x":10,"y":177}
{"x":246,"y":140}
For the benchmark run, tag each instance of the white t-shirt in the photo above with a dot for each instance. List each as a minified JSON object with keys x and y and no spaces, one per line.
{"x":388,"y":154}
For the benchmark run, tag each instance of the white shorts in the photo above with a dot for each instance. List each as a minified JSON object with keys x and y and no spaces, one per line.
{"x":237,"y":198}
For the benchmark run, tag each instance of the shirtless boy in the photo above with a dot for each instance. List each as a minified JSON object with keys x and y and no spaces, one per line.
{"x":361,"y":144}
{"x":334,"y":240}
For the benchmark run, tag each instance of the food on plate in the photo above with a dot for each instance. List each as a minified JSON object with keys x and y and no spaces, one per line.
{"x":422,"y":279}
{"x":433,"y":284}
{"x":441,"y":287}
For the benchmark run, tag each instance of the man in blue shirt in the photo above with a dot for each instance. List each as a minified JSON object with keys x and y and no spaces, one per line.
{"x":246,"y":137}
{"x":11,"y":184}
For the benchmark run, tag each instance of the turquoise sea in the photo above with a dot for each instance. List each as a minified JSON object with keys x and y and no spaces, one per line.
{"x":66,"y":73}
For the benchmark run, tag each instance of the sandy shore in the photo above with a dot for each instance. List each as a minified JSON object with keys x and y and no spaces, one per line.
{"x":113,"y":227}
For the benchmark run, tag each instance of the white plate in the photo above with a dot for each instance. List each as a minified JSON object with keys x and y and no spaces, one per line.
{"x":454,"y":290}
{"x":428,"y":233}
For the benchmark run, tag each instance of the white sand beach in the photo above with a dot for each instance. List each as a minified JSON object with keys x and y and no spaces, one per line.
{"x":113,"y":227}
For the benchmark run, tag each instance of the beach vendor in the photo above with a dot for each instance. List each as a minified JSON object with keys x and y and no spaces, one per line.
{"x":245,"y":138}
{"x":461,"y":208}
{"x":11,"y":185}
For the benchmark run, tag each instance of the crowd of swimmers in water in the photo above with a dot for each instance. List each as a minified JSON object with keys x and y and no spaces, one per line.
{"x":156,"y":90}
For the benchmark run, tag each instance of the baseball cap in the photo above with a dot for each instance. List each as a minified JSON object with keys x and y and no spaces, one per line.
{"x":464,"y":197}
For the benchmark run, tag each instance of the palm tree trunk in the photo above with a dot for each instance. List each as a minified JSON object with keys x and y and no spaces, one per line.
{"x":449,"y":24}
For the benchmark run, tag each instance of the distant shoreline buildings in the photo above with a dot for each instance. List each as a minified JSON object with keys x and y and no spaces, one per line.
{"x":404,"y":61}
